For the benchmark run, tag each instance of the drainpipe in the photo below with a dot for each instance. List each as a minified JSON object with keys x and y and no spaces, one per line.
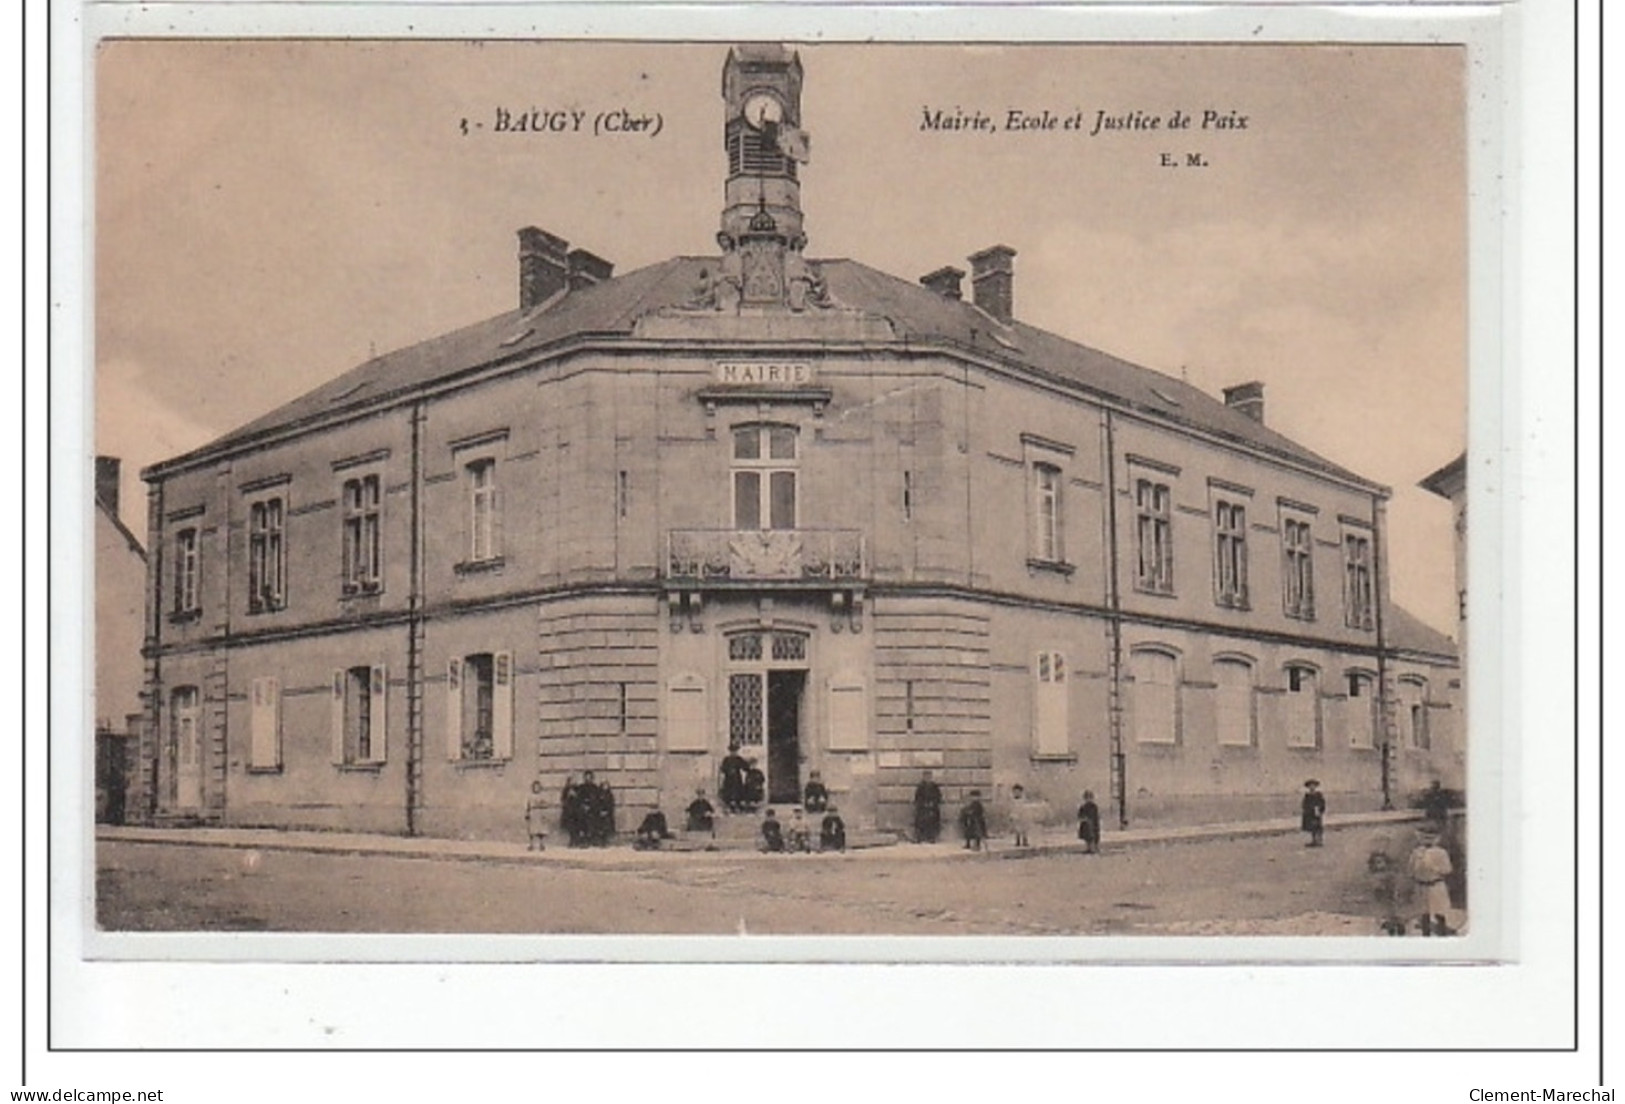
{"x":1118,"y":764}
{"x":1385,"y":703}
{"x":414,"y":636}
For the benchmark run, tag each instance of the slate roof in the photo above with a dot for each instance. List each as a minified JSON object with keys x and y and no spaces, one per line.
{"x":1407,"y":633}
{"x":921,"y":316}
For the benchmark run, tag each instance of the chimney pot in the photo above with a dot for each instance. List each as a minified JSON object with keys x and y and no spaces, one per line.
{"x":587,"y":269}
{"x":544,"y":266}
{"x":107,"y":480}
{"x":993,"y":277}
{"x":945,"y":281}
{"x":1247,"y":398}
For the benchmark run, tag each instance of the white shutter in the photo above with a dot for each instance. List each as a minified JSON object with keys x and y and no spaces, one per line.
{"x":1303,"y":710}
{"x":496,"y":513}
{"x":1155,"y":700}
{"x":687,"y":723}
{"x":1233,"y":705}
{"x":848,"y":714}
{"x":380,"y":721}
{"x":1049,"y":705}
{"x":337,"y":716}
{"x":454,"y":709}
{"x":502,"y":705}
{"x":265,"y":743}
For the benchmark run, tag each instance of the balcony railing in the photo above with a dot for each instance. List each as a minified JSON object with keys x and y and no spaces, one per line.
{"x":777,"y":555}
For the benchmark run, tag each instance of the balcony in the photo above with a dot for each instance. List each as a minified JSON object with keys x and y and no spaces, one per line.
{"x":710,"y":556}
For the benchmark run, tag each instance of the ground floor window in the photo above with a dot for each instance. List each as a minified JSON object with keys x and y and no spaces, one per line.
{"x":1233,"y":702}
{"x":1050,"y":705}
{"x":479,"y":707}
{"x":265,"y":724}
{"x":1301,"y":714}
{"x":359,"y":715}
{"x":185,"y":754}
{"x":1155,"y":697}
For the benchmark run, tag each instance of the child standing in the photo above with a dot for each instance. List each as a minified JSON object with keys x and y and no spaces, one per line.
{"x":1430,"y":865}
{"x":535,"y":818}
{"x":1021,"y":815}
{"x":1314,"y":812}
{"x":973,"y":821}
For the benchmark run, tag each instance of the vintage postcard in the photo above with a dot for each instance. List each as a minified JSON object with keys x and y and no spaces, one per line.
{"x":697,"y":488}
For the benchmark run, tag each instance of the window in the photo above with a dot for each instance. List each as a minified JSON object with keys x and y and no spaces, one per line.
{"x":1049,"y":706}
{"x":185,"y":748}
{"x":1047,"y":513}
{"x":363,"y":556}
{"x":1153,"y":503}
{"x":1301,"y":713}
{"x":479,"y":707}
{"x":1357,"y":595}
{"x":1155,"y":697}
{"x":1233,"y":702}
{"x":265,"y":724}
{"x":358,"y":719}
{"x":1297,"y":548}
{"x":764,"y":477}
{"x":1364,"y":718}
{"x":186,"y":568}
{"x":484,"y":511}
{"x":267,"y":556}
{"x":1413,"y":714}
{"x":1230,"y":554}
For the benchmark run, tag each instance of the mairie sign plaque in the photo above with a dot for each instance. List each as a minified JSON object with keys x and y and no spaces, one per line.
{"x":764,"y":373}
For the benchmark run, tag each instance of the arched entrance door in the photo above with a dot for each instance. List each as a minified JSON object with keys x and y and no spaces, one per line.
{"x":767,"y":681}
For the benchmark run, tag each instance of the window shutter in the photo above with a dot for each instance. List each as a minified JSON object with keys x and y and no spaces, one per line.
{"x":1050,"y":705}
{"x":454,"y":709}
{"x":848,"y":714}
{"x":380,"y":725}
{"x":496,"y":515}
{"x":502,"y":705}
{"x":338,"y":716}
{"x":265,"y":724}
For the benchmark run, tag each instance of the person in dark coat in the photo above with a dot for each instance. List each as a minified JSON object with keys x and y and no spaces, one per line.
{"x":754,"y":788}
{"x":1314,"y":812}
{"x":973,"y":821}
{"x":927,"y":810}
{"x":1089,"y":823}
{"x":732,"y":787}
{"x":832,"y":832}
{"x":652,"y":832}
{"x":815,"y":798}
{"x":571,"y":821}
{"x":604,"y":816}
{"x":772,"y":833}
{"x":1436,"y":804}
{"x":702,"y":815}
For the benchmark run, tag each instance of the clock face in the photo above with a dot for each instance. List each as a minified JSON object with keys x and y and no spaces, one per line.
{"x":762,"y":108}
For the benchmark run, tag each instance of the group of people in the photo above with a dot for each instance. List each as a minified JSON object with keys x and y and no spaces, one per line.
{"x":1024,"y":815}
{"x":743,"y":786}
{"x":587,"y":811}
{"x":797,"y":834}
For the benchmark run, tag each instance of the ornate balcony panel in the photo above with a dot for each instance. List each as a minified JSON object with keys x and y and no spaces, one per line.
{"x":698,"y":556}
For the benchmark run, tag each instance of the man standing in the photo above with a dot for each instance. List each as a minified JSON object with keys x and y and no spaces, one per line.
{"x":1314,"y":812}
{"x":927,"y":810}
{"x":733,"y":779}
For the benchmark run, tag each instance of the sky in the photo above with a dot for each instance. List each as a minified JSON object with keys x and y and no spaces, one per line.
{"x":269,"y":214}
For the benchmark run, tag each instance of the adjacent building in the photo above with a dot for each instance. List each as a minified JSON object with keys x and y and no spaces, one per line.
{"x":849,"y":522}
{"x":121,"y":573}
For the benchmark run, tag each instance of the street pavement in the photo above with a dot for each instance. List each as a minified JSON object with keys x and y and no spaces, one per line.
{"x":1220,"y":879}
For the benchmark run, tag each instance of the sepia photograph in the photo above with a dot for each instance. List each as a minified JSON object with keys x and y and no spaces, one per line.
{"x":781,"y":488}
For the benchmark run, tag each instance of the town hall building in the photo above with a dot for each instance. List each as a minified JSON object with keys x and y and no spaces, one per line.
{"x":851,"y":523}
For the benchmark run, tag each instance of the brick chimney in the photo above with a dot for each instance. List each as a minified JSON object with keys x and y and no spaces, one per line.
{"x":107,"y":477}
{"x":945,"y":281}
{"x":993,"y":279}
{"x":587,"y":269}
{"x":1248,"y":398}
{"x":544,"y":266}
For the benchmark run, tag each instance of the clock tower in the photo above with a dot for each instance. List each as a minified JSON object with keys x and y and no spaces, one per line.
{"x":761,"y":88}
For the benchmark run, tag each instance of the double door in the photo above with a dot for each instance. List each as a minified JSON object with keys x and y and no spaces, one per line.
{"x":767,"y":684}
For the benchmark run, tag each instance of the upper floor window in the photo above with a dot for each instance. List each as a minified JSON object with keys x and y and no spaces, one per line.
{"x":363,"y":551}
{"x":484,"y":511}
{"x":764,"y":477}
{"x":1047,"y":512}
{"x":186,"y":572}
{"x":267,"y":556}
{"x":1297,"y":549}
{"x":1230,"y":554}
{"x":1358,"y":603}
{"x":1153,"y":504}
